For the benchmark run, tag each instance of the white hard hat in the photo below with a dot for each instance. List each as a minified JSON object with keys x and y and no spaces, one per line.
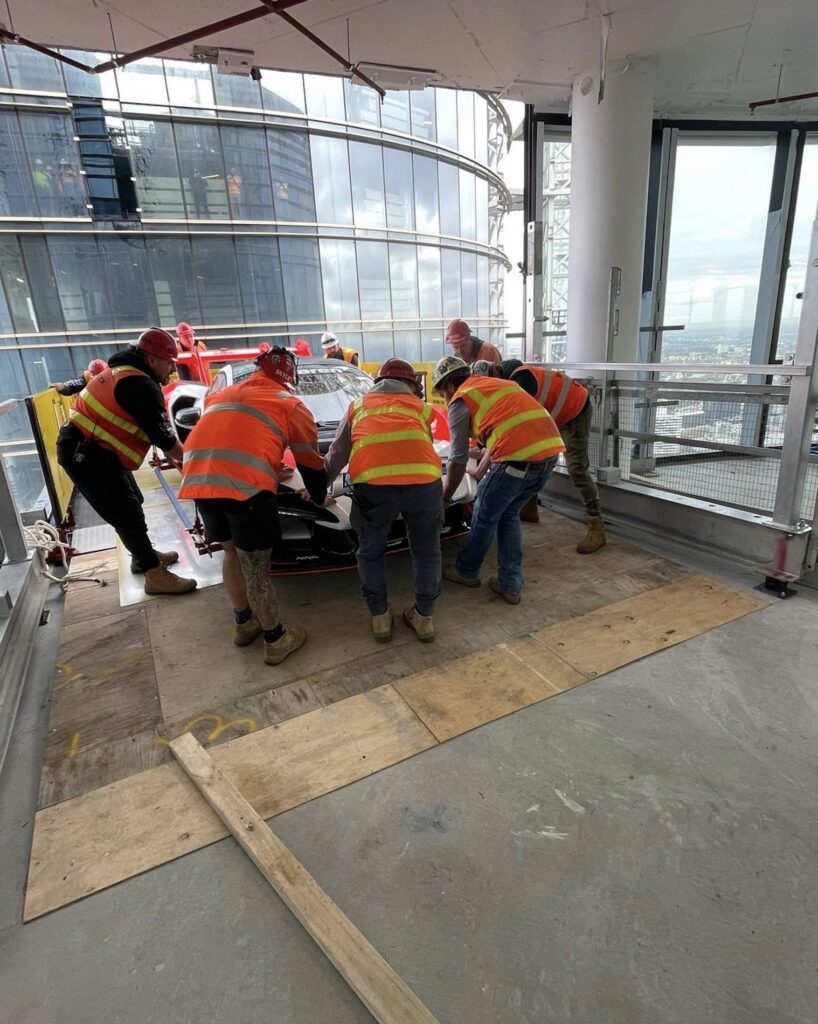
{"x":328,"y":340}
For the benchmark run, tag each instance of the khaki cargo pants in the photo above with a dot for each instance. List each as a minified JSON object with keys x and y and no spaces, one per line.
{"x":576,"y":437}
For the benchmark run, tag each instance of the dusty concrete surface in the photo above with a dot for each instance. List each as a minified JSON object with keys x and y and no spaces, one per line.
{"x":641,"y":849}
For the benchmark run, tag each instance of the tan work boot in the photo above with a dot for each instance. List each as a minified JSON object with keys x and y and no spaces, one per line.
{"x":530,"y":512}
{"x":159,"y":581}
{"x":382,"y":625}
{"x":595,"y":538}
{"x":451,"y":574}
{"x":289,"y":643}
{"x":423,"y":625}
{"x":244,"y":633}
{"x":166,"y":558}
{"x":506,"y":595}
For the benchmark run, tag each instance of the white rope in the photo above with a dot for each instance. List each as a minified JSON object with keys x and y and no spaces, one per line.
{"x":45,"y":538}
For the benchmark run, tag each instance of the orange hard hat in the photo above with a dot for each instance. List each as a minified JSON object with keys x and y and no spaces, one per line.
{"x":156,"y":342}
{"x":458,"y":330}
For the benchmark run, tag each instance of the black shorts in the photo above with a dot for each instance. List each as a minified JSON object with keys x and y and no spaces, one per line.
{"x":252,"y":525}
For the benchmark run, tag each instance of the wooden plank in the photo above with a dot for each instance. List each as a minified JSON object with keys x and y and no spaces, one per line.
{"x":482,"y":687}
{"x":626,"y":631}
{"x":377,"y":985}
{"x":87,"y":600}
{"x":113,"y":833}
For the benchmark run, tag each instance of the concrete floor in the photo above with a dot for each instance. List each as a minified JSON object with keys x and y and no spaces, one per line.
{"x":643,"y":848}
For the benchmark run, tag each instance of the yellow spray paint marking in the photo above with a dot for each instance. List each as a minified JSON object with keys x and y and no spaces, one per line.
{"x":75,"y":745}
{"x":219,"y":726}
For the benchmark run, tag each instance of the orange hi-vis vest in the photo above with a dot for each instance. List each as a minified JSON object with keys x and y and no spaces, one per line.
{"x":97,"y":414}
{"x":349,"y":354}
{"x":562,"y":396}
{"x":237,"y":447}
{"x":392,"y":440}
{"x":512,"y":425}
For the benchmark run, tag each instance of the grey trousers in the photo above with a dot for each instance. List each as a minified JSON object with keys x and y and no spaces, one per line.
{"x":576,"y":436}
{"x":374,"y":509}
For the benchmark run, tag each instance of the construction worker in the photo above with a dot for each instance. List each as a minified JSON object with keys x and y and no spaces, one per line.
{"x":114,"y":420}
{"x":76,"y":384}
{"x":334,"y":350}
{"x":569,"y":403}
{"x":186,"y":338}
{"x":232,"y":465}
{"x":523,"y":443}
{"x":467,"y":346}
{"x":386,"y":438}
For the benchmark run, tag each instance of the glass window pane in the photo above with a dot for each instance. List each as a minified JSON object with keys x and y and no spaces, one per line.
{"x":481,"y":187}
{"x":378,"y":346}
{"x":423,"y":113}
{"x":482,"y":286}
{"x":153,"y":152}
{"x":6,"y":325}
{"x":302,"y":279}
{"x":80,"y":282}
{"x":236,"y":91}
{"x":283,"y":91}
{"x":363,"y":104}
{"x":468,"y":284}
{"x":449,"y":199}
{"x":214,"y":261}
{"x":429,"y":281}
{"x":395,"y":112}
{"x":400,"y":204}
{"x":16,"y":196}
{"x":407,"y":345}
{"x":248,"y":173}
{"x":366,"y":168}
{"x":48,"y":364}
{"x":403,"y":273}
{"x":432,"y":347}
{"x":720,"y":199}
{"x":446,"y":117}
{"x":13,"y":384}
{"x":260,"y":274}
{"x":55,"y":165}
{"x":340,"y":276}
{"x":373,"y":281}
{"x":325,"y":97}
{"x":81,"y":83}
{"x":29,"y":69}
{"x":330,"y":171}
{"x":799,"y":249}
{"x":200,"y":161}
{"x":129,"y":281}
{"x":465,"y":123}
{"x":189,"y":84}
{"x":481,"y":130}
{"x":143,"y":82}
{"x":45,"y":299}
{"x":173,"y":281}
{"x":450,"y":275}
{"x":468,"y":225}
{"x":426,"y":209}
{"x":292,"y":175}
{"x":19,"y":293}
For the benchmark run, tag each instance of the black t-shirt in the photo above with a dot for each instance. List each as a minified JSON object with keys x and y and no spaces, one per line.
{"x":142,"y":397}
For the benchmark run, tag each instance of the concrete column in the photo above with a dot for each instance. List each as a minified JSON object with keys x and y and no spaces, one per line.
{"x":610,"y":159}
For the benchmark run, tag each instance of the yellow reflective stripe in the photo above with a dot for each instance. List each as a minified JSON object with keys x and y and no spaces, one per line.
{"x":487,"y":402}
{"x":524,"y":454}
{"x":111,"y":417}
{"x":408,"y":469}
{"x":513,"y":421}
{"x":401,"y":410}
{"x":101,"y":434}
{"x":394,"y":435}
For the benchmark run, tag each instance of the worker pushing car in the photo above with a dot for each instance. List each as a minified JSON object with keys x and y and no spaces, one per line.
{"x":115,"y":419}
{"x":233,"y":462}
{"x":386,"y":438}
{"x":523,"y":443}
{"x":334,"y":350}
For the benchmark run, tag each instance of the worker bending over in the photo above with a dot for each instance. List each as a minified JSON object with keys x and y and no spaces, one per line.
{"x":232,"y":465}
{"x":386,"y":438}
{"x":569,"y":403}
{"x":115,"y":419}
{"x":468,"y":347}
{"x":333,"y":350}
{"x":523,"y":443}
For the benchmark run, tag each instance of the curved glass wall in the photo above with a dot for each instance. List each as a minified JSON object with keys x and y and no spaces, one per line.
{"x":269,"y":209}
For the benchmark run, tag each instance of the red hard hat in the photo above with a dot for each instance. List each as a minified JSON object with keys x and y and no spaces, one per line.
{"x":397,"y":369}
{"x":279,"y":365}
{"x":156,"y":342}
{"x":184,"y":332}
{"x":97,"y":366}
{"x":302,"y":348}
{"x":458,"y":330}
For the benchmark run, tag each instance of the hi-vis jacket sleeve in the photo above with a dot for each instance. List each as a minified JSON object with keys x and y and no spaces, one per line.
{"x":303,"y":438}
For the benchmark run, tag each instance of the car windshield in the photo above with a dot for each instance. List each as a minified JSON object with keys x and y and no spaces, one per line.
{"x":328,"y":391}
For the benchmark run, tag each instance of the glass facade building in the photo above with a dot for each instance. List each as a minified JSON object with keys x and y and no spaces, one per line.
{"x":271,"y":209}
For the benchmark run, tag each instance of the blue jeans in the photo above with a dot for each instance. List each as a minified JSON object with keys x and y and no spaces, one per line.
{"x":502,"y":493}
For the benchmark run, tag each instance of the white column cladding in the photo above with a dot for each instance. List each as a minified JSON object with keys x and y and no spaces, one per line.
{"x":610,"y":161}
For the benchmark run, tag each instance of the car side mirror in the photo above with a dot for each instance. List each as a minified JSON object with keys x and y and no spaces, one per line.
{"x":188,"y":418}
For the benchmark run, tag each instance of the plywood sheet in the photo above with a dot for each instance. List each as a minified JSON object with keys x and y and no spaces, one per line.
{"x":628,"y":630}
{"x":113,"y":833}
{"x":485,"y":686}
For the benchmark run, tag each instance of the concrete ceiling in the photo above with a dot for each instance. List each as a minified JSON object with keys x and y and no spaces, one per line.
{"x":710,"y":56}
